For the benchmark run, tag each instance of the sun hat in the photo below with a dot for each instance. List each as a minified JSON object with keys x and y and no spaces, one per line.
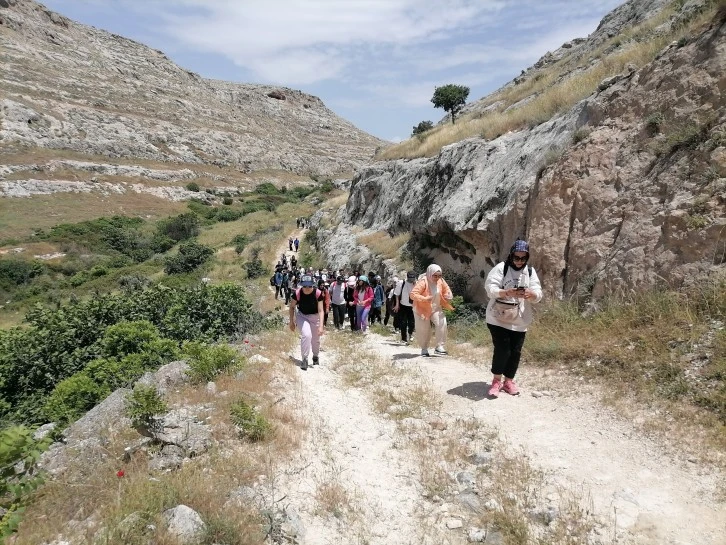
{"x":363,"y":278}
{"x":307,"y":281}
{"x":411,"y":276}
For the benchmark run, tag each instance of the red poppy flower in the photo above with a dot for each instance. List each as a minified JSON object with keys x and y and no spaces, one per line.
{"x":120,"y":473}
{"x":247,"y":342}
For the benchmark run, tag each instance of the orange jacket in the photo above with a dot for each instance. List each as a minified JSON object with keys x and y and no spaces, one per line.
{"x":421,"y":290}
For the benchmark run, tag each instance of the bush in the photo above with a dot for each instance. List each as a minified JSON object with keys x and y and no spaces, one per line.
{"x":250,"y":422}
{"x":126,"y":338}
{"x":73,"y":397}
{"x":207,"y":361}
{"x":191,"y":255}
{"x":239,"y":242}
{"x":59,"y":343}
{"x":193,"y":186}
{"x":181,"y":227}
{"x":143,"y":404}
{"x":422,"y":127}
{"x":16,"y":271}
{"x":228,"y":214}
{"x":227,"y":201}
{"x":255,"y":268}
{"x":267,"y":189}
{"x":19,"y":476}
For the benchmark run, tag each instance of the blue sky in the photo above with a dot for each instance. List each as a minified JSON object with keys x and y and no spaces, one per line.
{"x":374,"y":62}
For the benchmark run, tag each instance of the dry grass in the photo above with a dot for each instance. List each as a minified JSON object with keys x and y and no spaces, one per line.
{"x":384,"y":245}
{"x":554,"y":92}
{"x":20,"y":217}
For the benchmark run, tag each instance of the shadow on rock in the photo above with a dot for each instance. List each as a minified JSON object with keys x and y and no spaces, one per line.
{"x":476,"y":391}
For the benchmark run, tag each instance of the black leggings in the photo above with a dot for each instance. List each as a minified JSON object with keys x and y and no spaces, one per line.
{"x":507,"y":350}
{"x":406,"y":322}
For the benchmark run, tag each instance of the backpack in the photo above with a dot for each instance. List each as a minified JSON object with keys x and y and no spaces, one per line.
{"x":318,"y":293}
{"x":506,"y":268}
{"x":272,"y":280}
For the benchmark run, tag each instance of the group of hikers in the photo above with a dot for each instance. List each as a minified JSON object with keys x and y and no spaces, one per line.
{"x":416,"y":305}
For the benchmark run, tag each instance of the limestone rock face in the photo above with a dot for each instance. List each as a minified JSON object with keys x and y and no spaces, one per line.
{"x":636,"y":200}
{"x":73,"y":87}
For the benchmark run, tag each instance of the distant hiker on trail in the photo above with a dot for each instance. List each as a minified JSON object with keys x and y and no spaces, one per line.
{"x":289,"y":240}
{"x":430,"y":296}
{"x":363,"y":298}
{"x":309,"y":319}
{"x":404,"y":307}
{"x":337,"y":300}
{"x":278,"y":283}
{"x":350,"y":301}
{"x":390,"y":298}
{"x":379,"y":296}
{"x":287,"y":285}
{"x":297,"y":243}
{"x":512,"y":287}
{"x":322,"y":286}
{"x":293,"y":261}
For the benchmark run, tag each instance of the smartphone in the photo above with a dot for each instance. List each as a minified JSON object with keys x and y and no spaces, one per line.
{"x":520,"y":289}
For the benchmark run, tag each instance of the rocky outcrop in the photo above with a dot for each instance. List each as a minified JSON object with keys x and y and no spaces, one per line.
{"x":67,"y":86}
{"x":625,"y":191}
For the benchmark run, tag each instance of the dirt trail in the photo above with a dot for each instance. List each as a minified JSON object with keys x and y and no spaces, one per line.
{"x":648,"y":497}
{"x":581,"y":443}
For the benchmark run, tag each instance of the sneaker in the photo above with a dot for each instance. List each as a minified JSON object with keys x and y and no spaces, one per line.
{"x":304,"y":364}
{"x":425,"y":352}
{"x":495,"y":387}
{"x":316,"y":360}
{"x":441,"y":350}
{"x":510,"y":387}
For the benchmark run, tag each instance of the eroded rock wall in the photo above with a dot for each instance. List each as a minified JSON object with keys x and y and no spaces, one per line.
{"x":638,"y":200}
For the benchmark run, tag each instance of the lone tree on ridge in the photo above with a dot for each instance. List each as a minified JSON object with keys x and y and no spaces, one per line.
{"x":451,"y":98}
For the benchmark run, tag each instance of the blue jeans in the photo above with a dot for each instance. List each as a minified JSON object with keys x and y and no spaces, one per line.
{"x":362,"y":317}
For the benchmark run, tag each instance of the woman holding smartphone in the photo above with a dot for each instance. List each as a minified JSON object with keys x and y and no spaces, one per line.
{"x":512,"y":286}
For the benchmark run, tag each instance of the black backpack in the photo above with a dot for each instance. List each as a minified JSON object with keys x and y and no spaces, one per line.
{"x":272,"y":280}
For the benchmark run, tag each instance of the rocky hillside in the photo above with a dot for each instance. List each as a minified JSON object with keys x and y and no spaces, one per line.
{"x":70,"y":91}
{"x":625,"y":190}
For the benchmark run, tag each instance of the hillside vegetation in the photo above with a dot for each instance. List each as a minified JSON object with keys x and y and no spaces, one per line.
{"x":546,"y":92}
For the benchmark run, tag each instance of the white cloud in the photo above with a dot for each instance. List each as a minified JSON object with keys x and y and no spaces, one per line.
{"x":303,"y":42}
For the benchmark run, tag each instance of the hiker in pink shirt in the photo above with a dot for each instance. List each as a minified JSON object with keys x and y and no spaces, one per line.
{"x":363,"y":298}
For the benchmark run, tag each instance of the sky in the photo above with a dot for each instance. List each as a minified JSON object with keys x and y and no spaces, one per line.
{"x":373,"y":62}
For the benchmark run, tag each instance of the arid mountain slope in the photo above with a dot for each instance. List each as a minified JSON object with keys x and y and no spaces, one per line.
{"x":624,"y":191}
{"x":67,"y":86}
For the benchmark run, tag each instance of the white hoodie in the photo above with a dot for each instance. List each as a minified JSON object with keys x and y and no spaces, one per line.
{"x":521,"y":278}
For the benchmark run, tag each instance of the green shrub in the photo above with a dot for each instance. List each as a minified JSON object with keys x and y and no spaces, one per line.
{"x":191,"y":255}
{"x":161,"y":243}
{"x":19,"y":475}
{"x":228,"y":214}
{"x":207,"y":361}
{"x":227,"y":201}
{"x":143,"y":404}
{"x":254,"y":267}
{"x":266,"y":188}
{"x":251,"y":424}
{"x":240,"y":243}
{"x":60,"y":342}
{"x":422,"y":127}
{"x":73,"y":397}
{"x":193,"y":186}
{"x":580,"y":134}
{"x":16,"y":271}
{"x":654,"y":122}
{"x":181,"y":227}
{"x":128,"y":338}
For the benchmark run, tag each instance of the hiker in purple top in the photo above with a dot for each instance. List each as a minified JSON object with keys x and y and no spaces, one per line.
{"x":308,"y":300}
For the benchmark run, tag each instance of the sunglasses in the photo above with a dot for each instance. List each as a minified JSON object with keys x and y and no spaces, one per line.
{"x":519,"y":258}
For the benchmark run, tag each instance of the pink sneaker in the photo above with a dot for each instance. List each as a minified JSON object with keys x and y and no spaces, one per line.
{"x":495,"y":387}
{"x":510,"y":387}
